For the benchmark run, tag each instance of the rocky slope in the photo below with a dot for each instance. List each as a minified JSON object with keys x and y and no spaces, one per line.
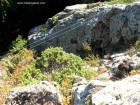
{"x":105,"y":27}
{"x":113,"y":87}
{"x":95,"y":92}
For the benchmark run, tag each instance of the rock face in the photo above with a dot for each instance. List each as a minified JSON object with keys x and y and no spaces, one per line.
{"x":95,"y":92}
{"x":42,"y":93}
{"x":100,"y":25}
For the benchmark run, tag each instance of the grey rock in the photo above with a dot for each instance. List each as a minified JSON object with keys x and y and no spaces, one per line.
{"x":37,"y":94}
{"x":102,"y":26}
{"x":124,"y":92}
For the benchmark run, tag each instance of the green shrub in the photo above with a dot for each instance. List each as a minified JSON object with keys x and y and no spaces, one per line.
{"x":31,"y":75}
{"x":18,"y":44}
{"x":53,"y":21}
{"x":60,"y":64}
{"x":137,"y":45}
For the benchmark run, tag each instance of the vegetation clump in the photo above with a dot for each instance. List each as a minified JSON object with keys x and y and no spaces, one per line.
{"x":92,"y":60}
{"x":42,"y":28}
{"x":53,"y":21}
{"x":18,"y":44}
{"x":54,"y":64}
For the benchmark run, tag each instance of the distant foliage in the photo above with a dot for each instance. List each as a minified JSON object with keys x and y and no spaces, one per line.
{"x":12,"y":59}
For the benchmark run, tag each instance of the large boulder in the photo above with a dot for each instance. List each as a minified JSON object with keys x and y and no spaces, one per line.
{"x":125,"y":92}
{"x":42,"y":93}
{"x":100,"y":25}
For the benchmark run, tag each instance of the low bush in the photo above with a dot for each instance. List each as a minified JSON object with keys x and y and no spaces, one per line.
{"x":18,"y":44}
{"x":60,"y":63}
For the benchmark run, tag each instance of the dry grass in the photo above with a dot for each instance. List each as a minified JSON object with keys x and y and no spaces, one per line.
{"x":13,"y":79}
{"x":92,"y":60}
{"x":66,"y":89}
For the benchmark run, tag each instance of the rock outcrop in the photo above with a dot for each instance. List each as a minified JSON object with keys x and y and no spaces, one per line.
{"x":101,"y":25}
{"x":42,"y":93}
{"x":95,"y":92}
